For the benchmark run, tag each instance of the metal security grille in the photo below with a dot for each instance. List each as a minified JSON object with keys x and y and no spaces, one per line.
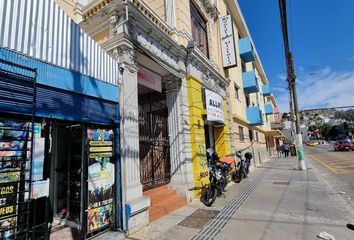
{"x":17,"y":95}
{"x":153,"y":141}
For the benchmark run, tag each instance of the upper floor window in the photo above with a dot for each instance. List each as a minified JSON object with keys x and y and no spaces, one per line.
{"x":243,"y":66}
{"x":247,"y":97}
{"x":237,"y":89}
{"x":241,"y":133}
{"x":250,"y":134}
{"x":199,"y":30}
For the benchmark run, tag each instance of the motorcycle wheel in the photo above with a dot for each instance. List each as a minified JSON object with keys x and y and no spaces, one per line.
{"x":208,"y":195}
{"x":237,"y":176}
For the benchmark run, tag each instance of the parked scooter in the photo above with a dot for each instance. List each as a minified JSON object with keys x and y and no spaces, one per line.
{"x":242,"y":168}
{"x":219,"y":176}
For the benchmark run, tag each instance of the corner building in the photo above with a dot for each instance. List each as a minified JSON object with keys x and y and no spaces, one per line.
{"x":181,"y":64}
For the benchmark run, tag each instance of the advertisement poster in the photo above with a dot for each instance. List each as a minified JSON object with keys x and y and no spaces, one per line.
{"x":100,"y":178}
{"x":40,"y":189}
{"x":38,"y":158}
{"x":8,"y":199}
{"x":13,"y":149}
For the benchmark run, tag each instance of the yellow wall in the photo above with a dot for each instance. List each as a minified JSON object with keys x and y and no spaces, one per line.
{"x":197,"y":134}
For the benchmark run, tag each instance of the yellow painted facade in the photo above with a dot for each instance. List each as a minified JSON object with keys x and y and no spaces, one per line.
{"x":196,"y":122}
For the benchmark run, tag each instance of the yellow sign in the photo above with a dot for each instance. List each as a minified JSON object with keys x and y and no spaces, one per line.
{"x":100,"y":155}
{"x":100,"y":149}
{"x":101,"y":143}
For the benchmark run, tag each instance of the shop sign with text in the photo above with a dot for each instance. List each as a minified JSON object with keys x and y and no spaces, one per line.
{"x":227,"y":42}
{"x":214,"y":107}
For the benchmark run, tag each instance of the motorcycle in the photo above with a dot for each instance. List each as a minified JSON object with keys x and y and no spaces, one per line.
{"x":219,"y":175}
{"x":242,"y":167}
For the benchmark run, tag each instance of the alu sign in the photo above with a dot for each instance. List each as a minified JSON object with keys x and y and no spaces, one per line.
{"x":228,"y":49}
{"x":214,"y":107}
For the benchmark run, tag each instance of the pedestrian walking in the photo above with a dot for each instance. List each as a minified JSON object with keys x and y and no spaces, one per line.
{"x":286,"y":150}
{"x":279,"y":151}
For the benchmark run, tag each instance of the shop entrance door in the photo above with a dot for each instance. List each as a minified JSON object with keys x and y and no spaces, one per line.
{"x":153,"y":140}
{"x":67,"y":188}
{"x":209,"y":136}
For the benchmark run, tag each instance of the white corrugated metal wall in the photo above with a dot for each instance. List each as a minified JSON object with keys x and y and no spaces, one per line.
{"x":41,"y":29}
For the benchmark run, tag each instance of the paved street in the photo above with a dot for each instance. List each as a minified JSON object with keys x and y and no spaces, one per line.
{"x":336,"y":167}
{"x":276,"y":202}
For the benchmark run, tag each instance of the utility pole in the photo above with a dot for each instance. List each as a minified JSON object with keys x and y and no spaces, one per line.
{"x":291,"y":78}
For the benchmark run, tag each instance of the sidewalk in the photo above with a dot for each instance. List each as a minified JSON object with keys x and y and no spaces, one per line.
{"x":275,"y":202}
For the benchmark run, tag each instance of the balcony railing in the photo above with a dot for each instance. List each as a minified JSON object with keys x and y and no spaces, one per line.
{"x":266,"y":90}
{"x":254,"y":116}
{"x":268,"y":109}
{"x":250,"y":82}
{"x":246,"y":50}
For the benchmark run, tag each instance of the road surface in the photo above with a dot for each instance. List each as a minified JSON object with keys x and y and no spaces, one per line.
{"x":336,"y":167}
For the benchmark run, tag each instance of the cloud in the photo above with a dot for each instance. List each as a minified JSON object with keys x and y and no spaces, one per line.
{"x":281,"y":76}
{"x":279,"y":89}
{"x":322,"y":88}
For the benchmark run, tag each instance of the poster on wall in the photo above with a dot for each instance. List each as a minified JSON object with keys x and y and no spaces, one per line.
{"x":100,"y":178}
{"x":214,"y":106}
{"x":38,"y":158}
{"x":13,"y":150}
{"x":40,"y":189}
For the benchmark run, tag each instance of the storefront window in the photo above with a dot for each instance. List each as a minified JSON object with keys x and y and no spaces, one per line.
{"x":199,"y":30}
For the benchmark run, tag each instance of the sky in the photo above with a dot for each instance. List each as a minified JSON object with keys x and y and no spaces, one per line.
{"x":321,"y":35}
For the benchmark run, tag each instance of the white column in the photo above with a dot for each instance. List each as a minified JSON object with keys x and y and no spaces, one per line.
{"x":179,"y":139}
{"x":132,"y":188}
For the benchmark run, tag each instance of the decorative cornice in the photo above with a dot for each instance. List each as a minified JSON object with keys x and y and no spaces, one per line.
{"x":209,"y":8}
{"x":127,"y":58}
{"x":154,"y":18}
{"x":91,"y":10}
{"x":173,"y":84}
{"x":209,"y":74}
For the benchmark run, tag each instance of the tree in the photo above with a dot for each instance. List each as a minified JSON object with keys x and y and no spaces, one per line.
{"x":325,"y":130}
{"x":312,"y":128}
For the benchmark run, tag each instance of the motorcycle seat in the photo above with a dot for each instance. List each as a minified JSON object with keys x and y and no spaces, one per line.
{"x":228,"y":160}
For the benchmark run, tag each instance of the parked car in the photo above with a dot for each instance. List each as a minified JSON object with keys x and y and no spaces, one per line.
{"x":343,"y":145}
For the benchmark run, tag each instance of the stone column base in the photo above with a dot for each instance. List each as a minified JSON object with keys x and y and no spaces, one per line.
{"x":137,"y":214}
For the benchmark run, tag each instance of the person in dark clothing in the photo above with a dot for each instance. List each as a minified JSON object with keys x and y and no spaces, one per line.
{"x":286,"y":150}
{"x":279,"y":151}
